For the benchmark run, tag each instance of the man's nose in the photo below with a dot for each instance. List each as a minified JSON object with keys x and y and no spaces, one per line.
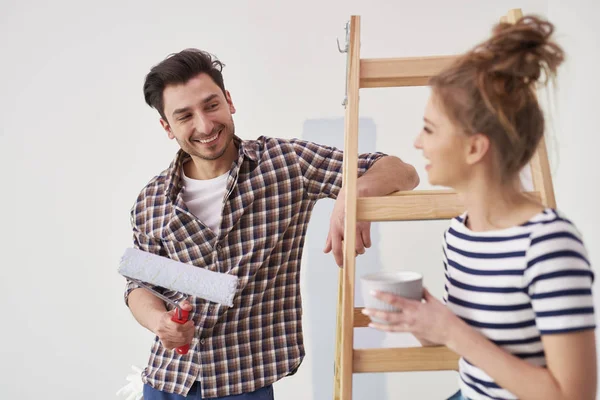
{"x":204,"y":125}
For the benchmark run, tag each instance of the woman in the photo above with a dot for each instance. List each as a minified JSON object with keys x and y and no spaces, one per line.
{"x":518,"y":300}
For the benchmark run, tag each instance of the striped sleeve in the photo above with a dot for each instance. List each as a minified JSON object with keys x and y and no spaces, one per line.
{"x":445,"y":265}
{"x":558,"y":278}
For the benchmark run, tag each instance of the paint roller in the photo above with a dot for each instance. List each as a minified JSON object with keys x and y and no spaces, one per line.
{"x":147,"y":269}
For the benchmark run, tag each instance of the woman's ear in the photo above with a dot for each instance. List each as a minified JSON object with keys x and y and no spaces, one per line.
{"x":478,"y":147}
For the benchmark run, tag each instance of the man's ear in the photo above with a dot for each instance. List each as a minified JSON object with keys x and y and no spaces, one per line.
{"x":229,"y":102}
{"x":167,"y":128}
{"x":478,"y":147}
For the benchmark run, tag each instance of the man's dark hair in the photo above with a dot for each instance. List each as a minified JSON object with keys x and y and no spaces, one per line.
{"x":178,"y":68}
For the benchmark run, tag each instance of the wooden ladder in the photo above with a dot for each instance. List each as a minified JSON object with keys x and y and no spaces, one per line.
{"x":400,"y":206}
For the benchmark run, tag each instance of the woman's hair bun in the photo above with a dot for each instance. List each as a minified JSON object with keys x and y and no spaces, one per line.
{"x":522,"y":52}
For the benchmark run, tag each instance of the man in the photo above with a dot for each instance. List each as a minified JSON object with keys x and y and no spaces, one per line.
{"x":239,"y":207}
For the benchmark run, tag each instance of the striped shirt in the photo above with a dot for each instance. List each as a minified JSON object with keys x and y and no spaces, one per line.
{"x":516,"y":285}
{"x":271,"y":190}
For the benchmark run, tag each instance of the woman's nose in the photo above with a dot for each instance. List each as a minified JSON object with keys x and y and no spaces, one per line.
{"x":417,"y":143}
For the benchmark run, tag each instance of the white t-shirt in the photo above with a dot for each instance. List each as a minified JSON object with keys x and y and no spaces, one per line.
{"x":204,"y":198}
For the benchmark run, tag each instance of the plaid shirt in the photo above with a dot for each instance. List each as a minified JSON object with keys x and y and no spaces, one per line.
{"x":271,"y":191}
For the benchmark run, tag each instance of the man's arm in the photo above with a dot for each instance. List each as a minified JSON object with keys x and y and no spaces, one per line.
{"x":378,"y":173}
{"x":150,"y":312}
{"x":147,"y":309}
{"x":387,"y":175}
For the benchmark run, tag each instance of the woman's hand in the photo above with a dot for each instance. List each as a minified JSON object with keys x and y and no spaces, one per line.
{"x":570,"y":372}
{"x":429,"y":320}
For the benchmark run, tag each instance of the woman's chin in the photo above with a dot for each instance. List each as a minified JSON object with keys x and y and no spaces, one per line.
{"x":436,"y":181}
{"x":432,"y":179}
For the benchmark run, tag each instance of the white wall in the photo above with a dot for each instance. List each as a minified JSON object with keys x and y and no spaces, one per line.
{"x":576,"y":133}
{"x":78,"y":142}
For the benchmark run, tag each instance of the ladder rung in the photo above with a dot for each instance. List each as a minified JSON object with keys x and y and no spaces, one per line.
{"x":438,"y":358}
{"x":396,"y":72}
{"x":360,"y":320}
{"x":413,"y":205}
{"x":410,"y":206}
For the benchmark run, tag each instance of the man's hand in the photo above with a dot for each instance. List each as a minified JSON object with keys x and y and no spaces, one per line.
{"x":335,"y":236}
{"x":172,"y":334}
{"x":387,"y":175}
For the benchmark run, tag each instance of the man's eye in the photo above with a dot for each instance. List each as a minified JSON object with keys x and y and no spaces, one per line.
{"x":184,"y":118}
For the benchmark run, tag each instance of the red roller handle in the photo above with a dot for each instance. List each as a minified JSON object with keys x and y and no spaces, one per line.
{"x":181,"y":319}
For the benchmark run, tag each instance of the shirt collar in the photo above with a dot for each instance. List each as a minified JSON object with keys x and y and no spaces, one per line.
{"x":246,"y":148}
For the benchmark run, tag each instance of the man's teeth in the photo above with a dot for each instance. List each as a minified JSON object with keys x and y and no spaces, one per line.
{"x":210,"y":139}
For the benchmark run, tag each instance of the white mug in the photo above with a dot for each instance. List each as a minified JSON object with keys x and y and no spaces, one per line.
{"x":402,"y":283}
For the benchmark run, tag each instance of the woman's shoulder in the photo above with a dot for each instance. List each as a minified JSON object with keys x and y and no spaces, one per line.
{"x":553,"y":223}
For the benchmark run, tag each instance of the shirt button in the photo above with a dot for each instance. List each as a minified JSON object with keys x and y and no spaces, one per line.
{"x":201,"y":341}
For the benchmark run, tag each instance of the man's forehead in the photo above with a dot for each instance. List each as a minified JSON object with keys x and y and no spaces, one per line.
{"x":193,"y":92}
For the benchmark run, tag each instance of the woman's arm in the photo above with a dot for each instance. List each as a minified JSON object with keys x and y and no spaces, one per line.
{"x":570,"y":372}
{"x":571,"y":357}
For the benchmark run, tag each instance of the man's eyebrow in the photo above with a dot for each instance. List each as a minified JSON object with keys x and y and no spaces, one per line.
{"x":181,"y":110}
{"x":186,"y":109}
{"x":210,"y":98}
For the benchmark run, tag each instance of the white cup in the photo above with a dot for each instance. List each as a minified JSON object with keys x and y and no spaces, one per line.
{"x":402,"y":283}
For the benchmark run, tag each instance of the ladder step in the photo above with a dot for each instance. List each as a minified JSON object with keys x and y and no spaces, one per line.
{"x":396,"y":72}
{"x":413,"y":206}
{"x":438,"y":358}
{"x":360,"y":320}
{"x":410,"y":206}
